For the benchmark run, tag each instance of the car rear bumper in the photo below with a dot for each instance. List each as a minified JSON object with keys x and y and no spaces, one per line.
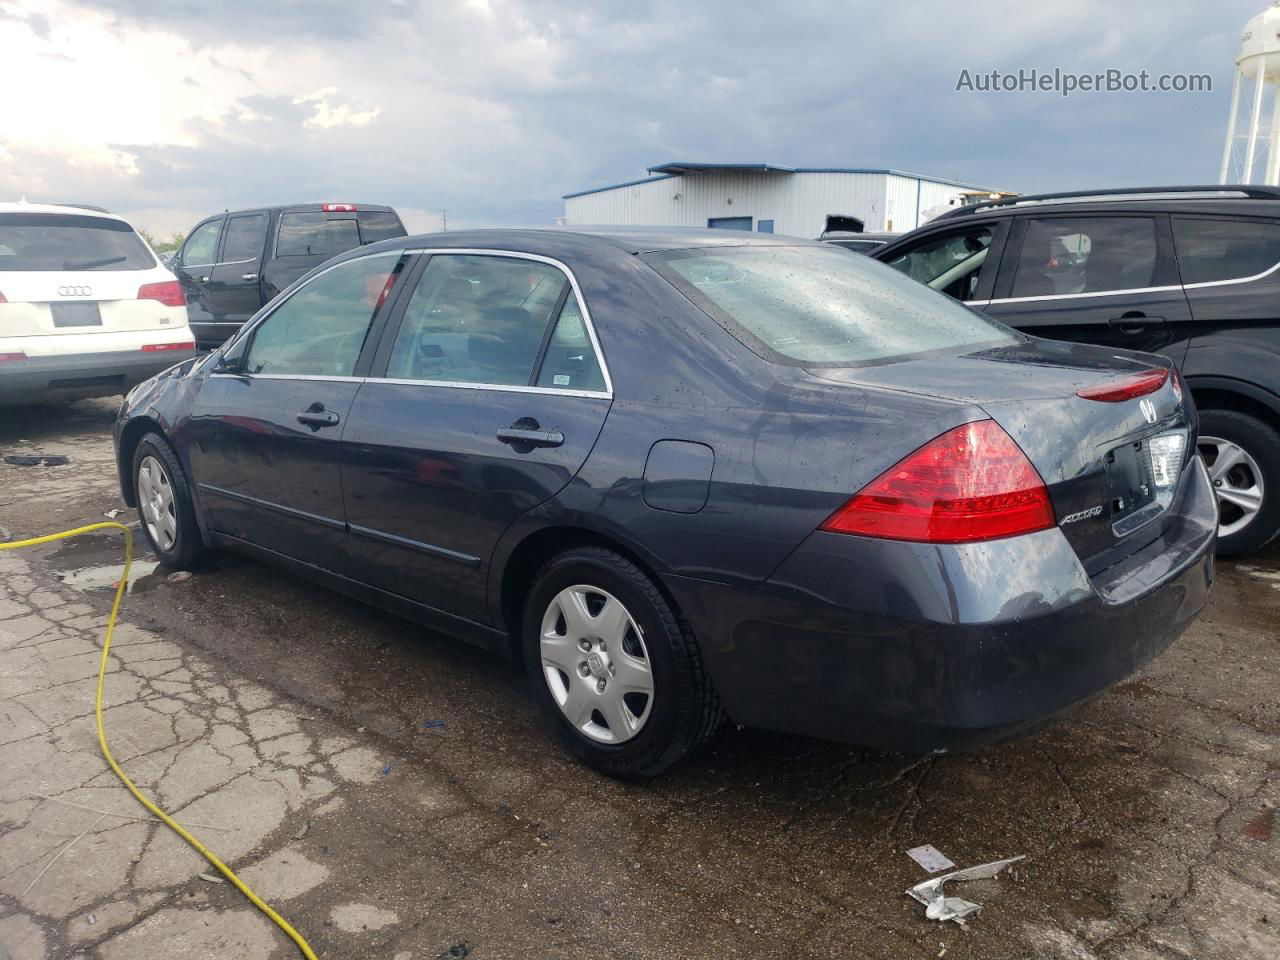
{"x":921,"y":647}
{"x":77,"y":375}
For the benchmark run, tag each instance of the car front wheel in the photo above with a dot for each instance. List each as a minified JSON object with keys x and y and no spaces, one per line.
{"x":1243,"y":457}
{"x":613,"y":667}
{"x":164,"y":504}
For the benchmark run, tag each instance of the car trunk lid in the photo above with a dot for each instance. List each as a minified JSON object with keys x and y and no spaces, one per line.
{"x":1106,"y":464}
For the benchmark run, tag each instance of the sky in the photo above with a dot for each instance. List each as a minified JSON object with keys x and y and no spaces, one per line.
{"x":169,"y":111}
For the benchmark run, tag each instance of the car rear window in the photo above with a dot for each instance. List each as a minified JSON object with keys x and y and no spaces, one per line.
{"x":818,"y":306}
{"x":315,"y":235}
{"x":52,"y":241}
{"x":378,"y":225}
{"x":1214,"y":250}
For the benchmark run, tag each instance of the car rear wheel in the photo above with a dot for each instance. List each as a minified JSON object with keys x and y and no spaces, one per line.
{"x":164,"y":504}
{"x":1243,"y":457}
{"x":613,"y":667}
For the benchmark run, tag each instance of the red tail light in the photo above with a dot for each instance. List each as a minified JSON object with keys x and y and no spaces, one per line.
{"x":2,"y":299}
{"x":1120,"y":390}
{"x":157,"y":347}
{"x":338,"y":207}
{"x":168,"y":292}
{"x":9,"y":357}
{"x":972,"y":483}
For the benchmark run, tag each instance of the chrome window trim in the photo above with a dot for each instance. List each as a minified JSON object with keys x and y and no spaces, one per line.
{"x":1223,"y":283}
{"x":326,"y":378}
{"x":582,"y":306}
{"x":1078,"y":296}
{"x":607,"y":393}
{"x":501,"y":387}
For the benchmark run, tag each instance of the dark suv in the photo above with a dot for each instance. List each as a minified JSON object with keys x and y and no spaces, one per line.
{"x":1192,"y":273}
{"x":234,"y":263}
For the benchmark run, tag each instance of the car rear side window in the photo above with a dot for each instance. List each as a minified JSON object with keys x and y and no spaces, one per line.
{"x":378,"y":225}
{"x":1082,"y":255}
{"x":570,"y":362}
{"x":315,"y":235}
{"x":320,"y":330}
{"x":476,"y":319}
{"x":816,"y":306}
{"x":55,"y":242}
{"x":1210,"y":250}
{"x":245,"y":238}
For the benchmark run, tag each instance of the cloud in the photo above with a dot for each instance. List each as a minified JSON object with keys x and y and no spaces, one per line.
{"x":494,"y":108}
{"x":330,"y":110}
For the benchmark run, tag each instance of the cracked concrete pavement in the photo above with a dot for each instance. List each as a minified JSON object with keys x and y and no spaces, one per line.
{"x":302,"y":732}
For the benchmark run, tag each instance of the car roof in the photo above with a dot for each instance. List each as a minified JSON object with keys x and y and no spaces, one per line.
{"x":852,"y":235}
{"x":629,"y":239}
{"x":308,"y":208}
{"x":1248,"y":200}
{"x":67,"y":209}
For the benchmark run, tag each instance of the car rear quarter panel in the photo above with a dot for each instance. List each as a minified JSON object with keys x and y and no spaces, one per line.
{"x":789,"y":448}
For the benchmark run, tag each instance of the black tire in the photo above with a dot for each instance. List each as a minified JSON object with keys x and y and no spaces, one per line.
{"x":187,"y":548}
{"x":684,"y":712}
{"x":1262,"y":444}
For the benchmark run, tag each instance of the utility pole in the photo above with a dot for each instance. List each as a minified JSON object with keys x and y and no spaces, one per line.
{"x":444,"y":220}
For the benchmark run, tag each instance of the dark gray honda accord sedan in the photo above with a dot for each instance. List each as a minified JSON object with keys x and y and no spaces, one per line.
{"x":691,"y":475}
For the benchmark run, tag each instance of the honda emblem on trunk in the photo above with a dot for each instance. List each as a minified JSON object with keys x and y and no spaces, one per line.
{"x":1148,"y":409}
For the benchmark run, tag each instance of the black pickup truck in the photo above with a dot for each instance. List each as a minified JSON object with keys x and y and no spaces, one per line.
{"x":234,"y":263}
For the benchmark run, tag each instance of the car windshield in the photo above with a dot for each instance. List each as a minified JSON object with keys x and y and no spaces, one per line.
{"x":818,"y":306}
{"x":53,"y":241}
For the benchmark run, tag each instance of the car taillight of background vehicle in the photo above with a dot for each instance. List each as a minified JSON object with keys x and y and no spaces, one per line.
{"x":12,"y":357}
{"x":157,"y":347}
{"x":972,"y":483}
{"x":168,"y":292}
{"x":338,"y":207}
{"x":2,"y":299}
{"x":1120,"y":390}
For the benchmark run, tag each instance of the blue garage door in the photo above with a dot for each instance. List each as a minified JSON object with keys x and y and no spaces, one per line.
{"x":730,"y":223}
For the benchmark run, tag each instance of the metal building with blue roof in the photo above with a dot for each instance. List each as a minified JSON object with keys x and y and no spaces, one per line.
{"x":771,"y":198}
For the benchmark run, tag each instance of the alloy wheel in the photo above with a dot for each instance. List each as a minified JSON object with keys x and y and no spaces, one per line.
{"x":1237,"y":481}
{"x":155,"y":500}
{"x":595,"y":663}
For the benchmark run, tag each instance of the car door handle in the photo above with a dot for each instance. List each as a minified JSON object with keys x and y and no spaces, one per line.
{"x":316,"y":416}
{"x":534,"y":438}
{"x":1135,"y":322}
{"x":248,"y":276}
{"x":204,"y":279}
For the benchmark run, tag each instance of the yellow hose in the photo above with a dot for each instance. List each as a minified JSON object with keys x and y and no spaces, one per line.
{"x":173,"y":825}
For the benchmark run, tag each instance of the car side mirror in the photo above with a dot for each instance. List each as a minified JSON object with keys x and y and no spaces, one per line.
{"x":230,"y":359}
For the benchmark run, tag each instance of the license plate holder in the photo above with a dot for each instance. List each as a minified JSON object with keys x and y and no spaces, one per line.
{"x":1129,"y":479}
{"x":76,"y":314}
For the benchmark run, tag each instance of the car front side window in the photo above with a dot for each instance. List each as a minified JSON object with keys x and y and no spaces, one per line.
{"x":201,"y":248}
{"x":477,"y":319}
{"x":320,"y":330}
{"x":952,"y":263}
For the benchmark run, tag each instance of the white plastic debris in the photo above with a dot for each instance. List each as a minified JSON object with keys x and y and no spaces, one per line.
{"x":938,"y":906}
{"x":931,"y":858}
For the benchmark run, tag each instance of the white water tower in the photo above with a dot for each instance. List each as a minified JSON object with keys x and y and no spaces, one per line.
{"x":1254,"y":127}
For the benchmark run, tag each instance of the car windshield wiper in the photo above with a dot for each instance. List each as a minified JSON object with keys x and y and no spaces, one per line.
{"x":90,"y":264}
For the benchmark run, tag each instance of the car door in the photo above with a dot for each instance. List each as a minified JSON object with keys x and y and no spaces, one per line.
{"x":958,"y":260}
{"x":1109,"y":279}
{"x":234,"y":289}
{"x":265,"y":428}
{"x":194,"y":262}
{"x":487,"y":393}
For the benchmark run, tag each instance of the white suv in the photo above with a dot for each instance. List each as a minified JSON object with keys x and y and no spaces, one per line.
{"x":86,"y":310}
